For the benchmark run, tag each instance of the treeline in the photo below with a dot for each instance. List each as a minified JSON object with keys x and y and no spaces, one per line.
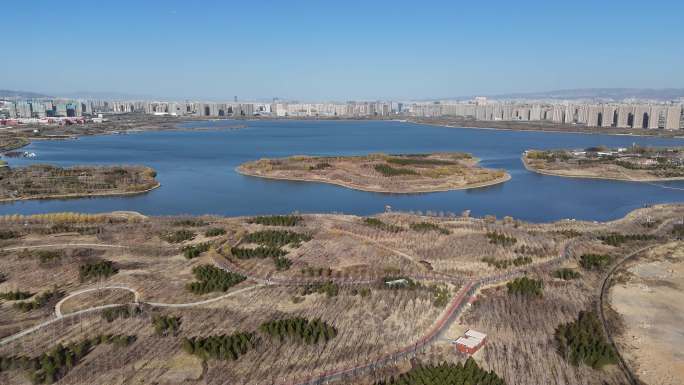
{"x":566,"y":274}
{"x":583,"y":342}
{"x":39,"y":301}
{"x":526,"y":287}
{"x":504,"y":264}
{"x":299,"y":330}
{"x":389,"y":171}
{"x":97,"y":270}
{"x":497,"y":238}
{"x":194,"y":251}
{"x":616,"y":239}
{"x":211,"y":278}
{"x":378,"y":224}
{"x":277,"y":220}
{"x":51,"y":366}
{"x":222,"y":347}
{"x":468,"y":373}
{"x":178,"y":236}
{"x":124,"y":312}
{"x":166,"y":325}
{"x":16,"y":295}
{"x":276,"y":238}
{"x":427,"y":226}
{"x":595,"y":261}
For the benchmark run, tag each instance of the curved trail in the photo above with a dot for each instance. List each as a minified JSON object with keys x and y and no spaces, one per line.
{"x":58,"y":305}
{"x":605,"y":286}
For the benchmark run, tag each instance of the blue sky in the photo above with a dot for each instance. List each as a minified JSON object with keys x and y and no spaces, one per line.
{"x":339,"y":50}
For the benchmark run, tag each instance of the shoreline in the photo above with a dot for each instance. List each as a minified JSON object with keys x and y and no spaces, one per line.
{"x":547,"y":131}
{"x":504,"y":179}
{"x":81,"y":195}
{"x":641,"y":180}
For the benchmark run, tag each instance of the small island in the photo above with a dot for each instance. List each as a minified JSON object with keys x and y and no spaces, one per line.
{"x":636,"y":163}
{"x":51,"y":182}
{"x":409,"y":173}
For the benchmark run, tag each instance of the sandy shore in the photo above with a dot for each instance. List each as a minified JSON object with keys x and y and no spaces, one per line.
{"x":80,"y":195}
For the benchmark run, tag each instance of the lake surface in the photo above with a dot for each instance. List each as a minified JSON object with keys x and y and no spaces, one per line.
{"x":196,"y":170}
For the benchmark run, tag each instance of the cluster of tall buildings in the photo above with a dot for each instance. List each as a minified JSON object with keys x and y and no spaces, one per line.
{"x":621,"y":115}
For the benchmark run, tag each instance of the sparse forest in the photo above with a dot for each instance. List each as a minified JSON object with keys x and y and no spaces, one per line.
{"x":97,"y":270}
{"x":595,"y":261}
{"x":526,"y":287}
{"x":166,"y":325}
{"x":468,"y":373}
{"x":278,"y":220}
{"x":617,"y":239}
{"x":497,"y":238}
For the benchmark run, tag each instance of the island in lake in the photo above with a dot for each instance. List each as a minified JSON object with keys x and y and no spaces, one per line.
{"x":51,"y":182}
{"x":640,"y":164}
{"x":409,"y":173}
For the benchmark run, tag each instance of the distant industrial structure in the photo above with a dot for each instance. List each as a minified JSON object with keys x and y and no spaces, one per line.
{"x":654,"y":115}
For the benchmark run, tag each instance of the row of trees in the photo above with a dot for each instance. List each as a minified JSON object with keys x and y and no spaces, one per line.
{"x":299,"y":330}
{"x":124,"y":312}
{"x":378,"y":224}
{"x":222,"y":347}
{"x":166,"y":325}
{"x":257,"y":252}
{"x":40,"y":300}
{"x":277,"y":220}
{"x":583,"y":342}
{"x":51,"y":366}
{"x":427,"y":226}
{"x":211,"y":278}
{"x":616,"y":239}
{"x":97,"y":270}
{"x":276,"y":238}
{"x":468,"y":373}
{"x":595,"y":261}
{"x":420,"y":162}
{"x":526,"y":286}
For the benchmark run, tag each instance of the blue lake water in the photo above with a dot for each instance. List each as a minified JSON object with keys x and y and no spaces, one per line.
{"x":196,"y":170}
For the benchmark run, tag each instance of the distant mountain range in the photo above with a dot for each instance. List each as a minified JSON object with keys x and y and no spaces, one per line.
{"x":604,"y":94}
{"x":596,"y":94}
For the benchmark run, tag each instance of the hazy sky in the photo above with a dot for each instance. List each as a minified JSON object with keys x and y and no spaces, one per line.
{"x":339,"y":50}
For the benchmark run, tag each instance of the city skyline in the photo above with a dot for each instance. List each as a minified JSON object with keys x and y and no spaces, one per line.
{"x":304,"y":51}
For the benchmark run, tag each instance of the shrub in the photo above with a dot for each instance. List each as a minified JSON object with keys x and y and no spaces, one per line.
{"x":525,"y":286}
{"x":330,"y":289}
{"x":427,"y":226}
{"x":100,"y":269}
{"x":299,"y":330}
{"x":214,"y":232}
{"x":189,"y":222}
{"x":583,"y":342}
{"x":282,"y":263}
{"x":388,"y":171}
{"x":277,"y":220}
{"x":595,"y":261}
{"x":178,"y":236}
{"x":39,"y":301}
{"x":124,"y":311}
{"x":566,"y":274}
{"x":320,"y":166}
{"x":15,"y":295}
{"x":678,"y":230}
{"x":378,"y":224}
{"x":194,"y":251}
{"x":9,"y":234}
{"x":166,"y":325}
{"x":497,"y":238}
{"x":46,"y":256}
{"x":504,"y":264}
{"x":211,"y":278}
